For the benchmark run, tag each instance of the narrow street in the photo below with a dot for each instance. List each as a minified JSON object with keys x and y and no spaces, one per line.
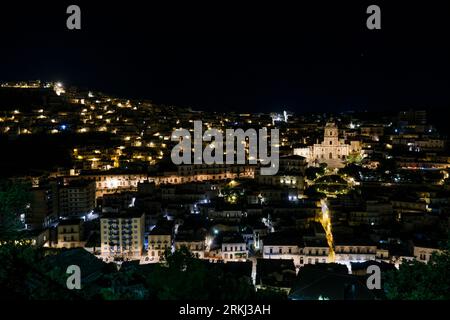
{"x":325,"y":220}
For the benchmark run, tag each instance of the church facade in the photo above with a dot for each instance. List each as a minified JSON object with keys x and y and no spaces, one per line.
{"x":332,"y":150}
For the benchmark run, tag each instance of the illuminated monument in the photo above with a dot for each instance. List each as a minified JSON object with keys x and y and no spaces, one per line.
{"x":332,"y":150}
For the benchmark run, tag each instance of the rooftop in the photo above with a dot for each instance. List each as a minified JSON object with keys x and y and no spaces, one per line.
{"x":275,"y":272}
{"x":328,"y":282}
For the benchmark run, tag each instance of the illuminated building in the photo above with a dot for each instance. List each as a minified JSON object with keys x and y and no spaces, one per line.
{"x":332,"y":150}
{"x":280,"y":117}
{"x":372,"y":131}
{"x":70,"y":233}
{"x":122,"y":236}
{"x":77,"y":198}
{"x":43,"y":207}
{"x":194,"y":243}
{"x":22,"y":84}
{"x":59,"y":89}
{"x":234,"y":248}
{"x":228,"y":212}
{"x":423,"y":250}
{"x":204,"y":172}
{"x":283,"y":248}
{"x":159,"y":240}
{"x":111,"y":182}
{"x":315,"y":251}
{"x":354,"y":250}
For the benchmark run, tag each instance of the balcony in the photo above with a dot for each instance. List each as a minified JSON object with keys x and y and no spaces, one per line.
{"x":274,"y":253}
{"x":316,"y":254}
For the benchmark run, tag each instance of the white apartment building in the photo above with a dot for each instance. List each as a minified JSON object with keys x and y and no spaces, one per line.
{"x":158,"y":242}
{"x":287,"y":248}
{"x":234,"y":249}
{"x":314,"y":251}
{"x":423,"y":253}
{"x":354,"y":251}
{"x":122,"y":236}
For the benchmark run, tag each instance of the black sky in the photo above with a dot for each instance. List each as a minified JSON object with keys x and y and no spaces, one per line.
{"x":221,"y":55}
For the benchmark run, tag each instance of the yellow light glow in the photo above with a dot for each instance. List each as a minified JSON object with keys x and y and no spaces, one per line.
{"x":326,"y":224}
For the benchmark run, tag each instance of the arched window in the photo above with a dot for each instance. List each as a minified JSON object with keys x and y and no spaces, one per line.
{"x":331,"y":155}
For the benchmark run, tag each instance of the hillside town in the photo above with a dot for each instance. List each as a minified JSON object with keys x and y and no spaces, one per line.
{"x":352,"y":189}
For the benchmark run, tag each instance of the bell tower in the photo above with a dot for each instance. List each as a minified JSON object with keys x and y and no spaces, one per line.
{"x":331,"y":135}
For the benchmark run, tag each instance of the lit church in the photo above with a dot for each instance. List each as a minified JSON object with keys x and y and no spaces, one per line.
{"x":332,"y":150}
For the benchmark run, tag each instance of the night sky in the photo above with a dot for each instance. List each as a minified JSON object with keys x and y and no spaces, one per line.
{"x":220,"y":55}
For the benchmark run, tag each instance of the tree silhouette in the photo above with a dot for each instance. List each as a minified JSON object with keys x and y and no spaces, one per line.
{"x":14,"y":198}
{"x":419,"y":281}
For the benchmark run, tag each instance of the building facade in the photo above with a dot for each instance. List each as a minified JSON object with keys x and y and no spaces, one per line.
{"x":122,"y":236}
{"x":282,"y":251}
{"x":77,"y":198}
{"x":234,"y":249}
{"x":332,"y":150}
{"x":196,"y":245}
{"x":70,"y":233}
{"x":158,"y":242}
{"x":424,"y":253}
{"x":107,"y":182}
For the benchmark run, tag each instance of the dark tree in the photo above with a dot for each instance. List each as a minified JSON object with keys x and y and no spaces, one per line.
{"x":419,"y":281}
{"x":14,"y":198}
